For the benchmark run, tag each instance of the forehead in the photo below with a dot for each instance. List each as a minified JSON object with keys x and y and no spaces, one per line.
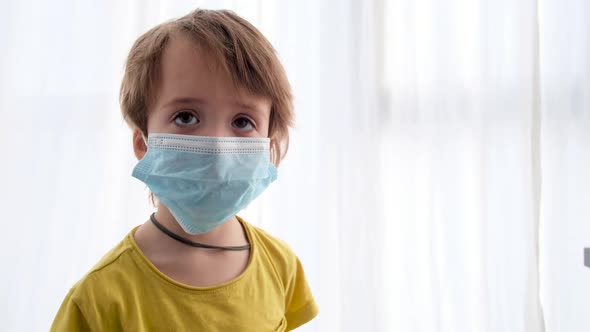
{"x":191,"y":70}
{"x":185,"y":65}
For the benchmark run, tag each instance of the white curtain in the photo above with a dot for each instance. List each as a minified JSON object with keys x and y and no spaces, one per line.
{"x":438,"y":177}
{"x":460,"y":159}
{"x":565,"y":156}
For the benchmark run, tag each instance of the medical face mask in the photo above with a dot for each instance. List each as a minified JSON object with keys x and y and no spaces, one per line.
{"x":204,"y":181}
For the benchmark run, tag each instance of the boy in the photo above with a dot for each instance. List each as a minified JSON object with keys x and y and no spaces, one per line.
{"x":210,"y":107}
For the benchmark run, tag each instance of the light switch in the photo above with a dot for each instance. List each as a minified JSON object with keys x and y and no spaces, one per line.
{"x":587,"y":257}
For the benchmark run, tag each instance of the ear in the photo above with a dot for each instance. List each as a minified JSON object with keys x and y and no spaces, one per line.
{"x":273,"y":152}
{"x":139,"y":146}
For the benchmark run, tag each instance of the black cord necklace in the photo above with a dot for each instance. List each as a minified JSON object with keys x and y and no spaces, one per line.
{"x":191,"y":243}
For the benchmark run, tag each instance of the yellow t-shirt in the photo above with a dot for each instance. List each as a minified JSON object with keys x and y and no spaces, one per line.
{"x":126,"y":292}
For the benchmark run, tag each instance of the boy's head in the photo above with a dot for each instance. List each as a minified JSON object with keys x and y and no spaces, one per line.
{"x":209,"y":73}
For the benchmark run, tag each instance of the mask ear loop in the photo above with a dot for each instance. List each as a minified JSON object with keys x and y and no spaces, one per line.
{"x":145,"y":142}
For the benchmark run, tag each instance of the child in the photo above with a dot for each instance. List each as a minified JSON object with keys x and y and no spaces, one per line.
{"x":210,"y":107}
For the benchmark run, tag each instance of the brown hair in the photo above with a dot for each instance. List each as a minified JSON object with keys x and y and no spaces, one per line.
{"x":241,"y":50}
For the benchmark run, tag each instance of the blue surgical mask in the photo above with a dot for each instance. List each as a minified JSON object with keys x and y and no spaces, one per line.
{"x":204,"y":181}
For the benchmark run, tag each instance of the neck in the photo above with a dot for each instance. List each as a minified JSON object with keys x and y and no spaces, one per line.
{"x":228,"y":233}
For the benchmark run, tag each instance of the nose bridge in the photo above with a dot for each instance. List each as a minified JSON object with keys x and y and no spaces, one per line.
{"x":216,"y":125}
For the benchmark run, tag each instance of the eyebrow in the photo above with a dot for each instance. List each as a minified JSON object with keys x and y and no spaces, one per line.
{"x":185,"y":100}
{"x":199,"y":101}
{"x":248,"y":106}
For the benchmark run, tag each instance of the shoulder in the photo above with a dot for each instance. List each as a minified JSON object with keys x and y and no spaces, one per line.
{"x":106,"y":273}
{"x":98,"y":299}
{"x":270,"y":243}
{"x":300,"y":305}
{"x":268,"y":239}
{"x":273,"y":249}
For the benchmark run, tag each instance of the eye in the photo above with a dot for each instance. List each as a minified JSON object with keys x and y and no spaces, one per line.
{"x":185,"y":118}
{"x":243,"y":123}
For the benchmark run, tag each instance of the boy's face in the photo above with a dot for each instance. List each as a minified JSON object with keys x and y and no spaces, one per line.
{"x":193,"y":97}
